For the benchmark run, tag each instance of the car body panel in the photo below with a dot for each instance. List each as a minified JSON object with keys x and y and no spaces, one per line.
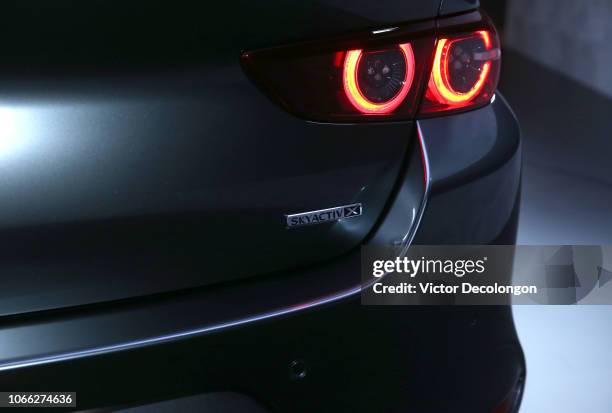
{"x":210,"y":331}
{"x":164,"y":32}
{"x":137,"y":161}
{"x":122,"y":198}
{"x":146,"y":182}
{"x":474,"y":198}
{"x":457,"y":6}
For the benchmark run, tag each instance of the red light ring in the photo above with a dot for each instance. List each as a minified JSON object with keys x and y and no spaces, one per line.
{"x":439,"y":82}
{"x":357,"y":98}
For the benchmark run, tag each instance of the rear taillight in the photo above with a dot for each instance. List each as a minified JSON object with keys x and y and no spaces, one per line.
{"x":377,"y":82}
{"x":397,"y":73}
{"x":464,"y":71}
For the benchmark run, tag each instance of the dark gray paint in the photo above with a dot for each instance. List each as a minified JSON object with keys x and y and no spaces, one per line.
{"x":457,"y":6}
{"x":476,"y":211}
{"x":117,"y":128}
{"x":130,"y":186}
{"x":481,"y":148}
{"x":220,"y":402}
{"x":255,"y":356}
{"x":163,"y":31}
{"x":137,"y":157}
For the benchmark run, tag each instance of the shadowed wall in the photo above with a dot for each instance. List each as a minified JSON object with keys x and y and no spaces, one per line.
{"x":569,"y":36}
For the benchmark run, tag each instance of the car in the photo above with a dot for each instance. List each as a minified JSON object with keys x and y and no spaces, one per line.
{"x":187,"y":187}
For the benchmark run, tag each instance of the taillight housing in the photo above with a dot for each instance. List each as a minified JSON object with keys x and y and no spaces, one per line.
{"x":465,"y":68}
{"x":391,"y":74}
{"x":376,"y":82}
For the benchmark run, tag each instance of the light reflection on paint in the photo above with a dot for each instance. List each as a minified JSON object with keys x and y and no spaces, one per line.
{"x":14,"y":130}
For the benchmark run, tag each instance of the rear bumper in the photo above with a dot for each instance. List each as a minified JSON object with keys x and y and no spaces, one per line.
{"x":244,"y":338}
{"x":421,"y":359}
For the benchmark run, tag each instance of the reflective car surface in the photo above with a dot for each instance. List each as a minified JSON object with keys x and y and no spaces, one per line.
{"x":153,"y":156}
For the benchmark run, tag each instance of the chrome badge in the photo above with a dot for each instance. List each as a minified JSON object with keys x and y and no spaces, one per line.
{"x":323,"y":215}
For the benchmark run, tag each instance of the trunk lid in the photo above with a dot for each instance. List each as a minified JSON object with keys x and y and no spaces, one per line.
{"x":137,"y":158}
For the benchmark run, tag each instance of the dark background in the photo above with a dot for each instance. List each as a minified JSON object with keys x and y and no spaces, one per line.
{"x":557,"y":76}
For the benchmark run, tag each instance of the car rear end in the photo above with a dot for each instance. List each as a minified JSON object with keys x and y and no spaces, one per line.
{"x":186,"y":188}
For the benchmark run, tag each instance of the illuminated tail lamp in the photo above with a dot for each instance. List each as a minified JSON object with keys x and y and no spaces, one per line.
{"x":441,"y":84}
{"x":419,"y":70}
{"x":464,"y":73}
{"x":376,"y":83}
